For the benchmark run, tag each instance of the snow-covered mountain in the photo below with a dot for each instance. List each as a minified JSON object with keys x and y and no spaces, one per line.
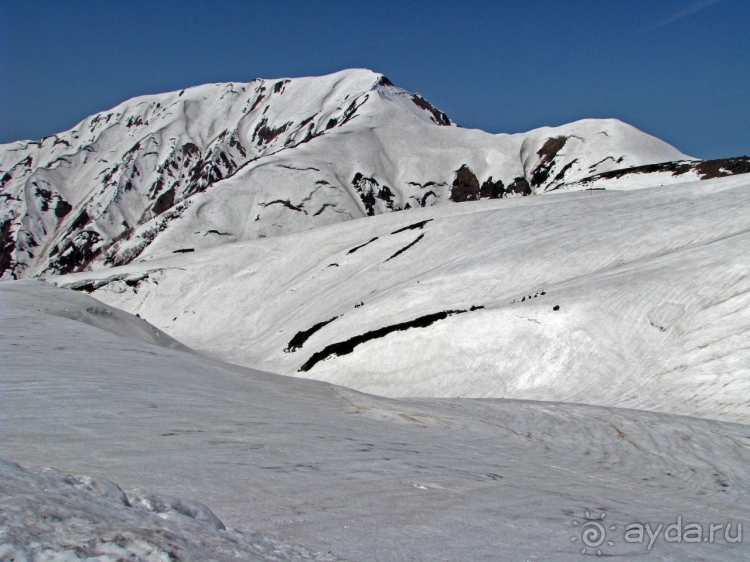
{"x":222,"y":163}
{"x":439,"y":301}
{"x":164,"y":217}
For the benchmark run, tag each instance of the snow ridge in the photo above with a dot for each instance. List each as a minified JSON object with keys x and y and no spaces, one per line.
{"x":221,"y":163}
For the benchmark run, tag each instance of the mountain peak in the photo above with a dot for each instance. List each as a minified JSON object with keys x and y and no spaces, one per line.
{"x":225,"y":162}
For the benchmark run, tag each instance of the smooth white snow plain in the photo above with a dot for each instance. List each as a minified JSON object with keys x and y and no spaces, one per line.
{"x":285,"y":461}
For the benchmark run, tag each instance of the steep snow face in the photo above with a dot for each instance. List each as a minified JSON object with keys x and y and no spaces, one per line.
{"x":634,"y":298}
{"x":367,"y":478}
{"x":221,"y":163}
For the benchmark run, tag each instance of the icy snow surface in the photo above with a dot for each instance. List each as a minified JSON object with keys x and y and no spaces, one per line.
{"x":366,"y":478}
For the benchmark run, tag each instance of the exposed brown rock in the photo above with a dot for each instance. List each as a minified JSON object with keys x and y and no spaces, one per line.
{"x":437,"y":116}
{"x":361,"y":246}
{"x":62,"y":208}
{"x":414,"y":226}
{"x":351,"y":111}
{"x":546,"y":155}
{"x":723,"y":167}
{"x":561,"y":174}
{"x":266,"y":134}
{"x":492,"y":190}
{"x":369,"y":190}
{"x":257,"y":102}
{"x":76,"y":253}
{"x":80,"y":222}
{"x":7,"y":245}
{"x":465,"y":185}
{"x":286,"y":203}
{"x":519,"y":186}
{"x":550,"y":148}
{"x":278,"y":88}
{"x":706,"y":169}
{"x":402,"y":250}
{"x":423,"y":201}
{"x":164,"y":202}
{"x":301,"y":337}
{"x":346,"y":347}
{"x":45,"y":195}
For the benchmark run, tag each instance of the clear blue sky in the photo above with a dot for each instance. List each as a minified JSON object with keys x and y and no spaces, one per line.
{"x":678,"y":69}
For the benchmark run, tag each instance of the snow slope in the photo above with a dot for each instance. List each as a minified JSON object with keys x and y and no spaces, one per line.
{"x":221,"y":163}
{"x":284,"y":461}
{"x":636,"y":299}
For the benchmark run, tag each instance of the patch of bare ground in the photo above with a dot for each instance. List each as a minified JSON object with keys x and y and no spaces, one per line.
{"x":301,"y":337}
{"x":346,"y":347}
{"x":7,"y":245}
{"x":706,"y":169}
{"x":546,"y":155}
{"x":437,"y":116}
{"x":520,"y":186}
{"x":402,"y":250}
{"x":465,"y":185}
{"x":723,"y":167}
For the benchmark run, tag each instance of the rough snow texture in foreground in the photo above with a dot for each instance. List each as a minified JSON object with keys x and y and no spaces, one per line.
{"x":636,"y":299}
{"x":368,"y":478}
{"x":221,"y":163}
{"x":52,"y":516}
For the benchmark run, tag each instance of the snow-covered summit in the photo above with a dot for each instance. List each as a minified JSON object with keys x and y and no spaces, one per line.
{"x":220,"y":163}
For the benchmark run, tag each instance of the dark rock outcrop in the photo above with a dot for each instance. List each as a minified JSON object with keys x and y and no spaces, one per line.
{"x":437,"y":116}
{"x":520,"y":186}
{"x":491,"y":190}
{"x":546,"y":154}
{"x":465,"y":185}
